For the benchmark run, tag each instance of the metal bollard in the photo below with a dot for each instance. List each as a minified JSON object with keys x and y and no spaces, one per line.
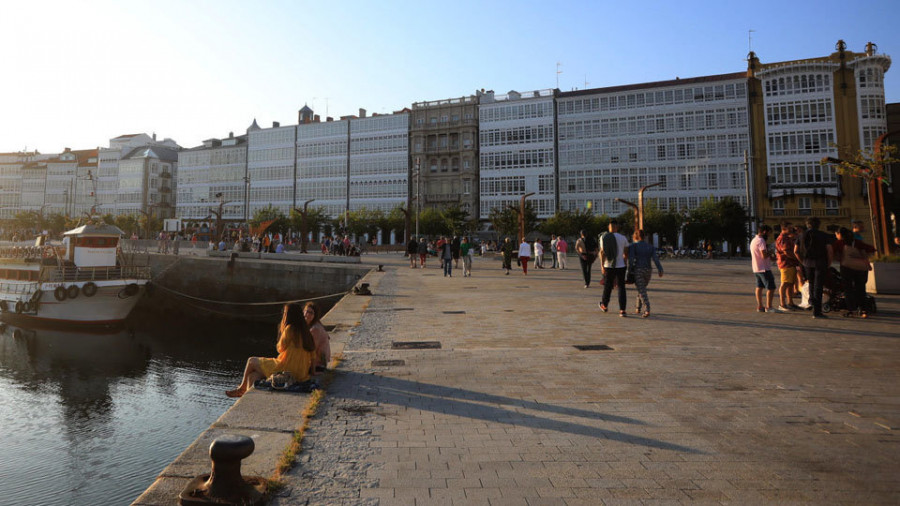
{"x":224,"y":484}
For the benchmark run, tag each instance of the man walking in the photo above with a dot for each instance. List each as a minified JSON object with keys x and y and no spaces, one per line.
{"x":815,"y":254}
{"x":586,"y":247}
{"x":612,"y":252}
{"x":762,"y":268}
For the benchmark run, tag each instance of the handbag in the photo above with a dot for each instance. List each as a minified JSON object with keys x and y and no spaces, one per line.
{"x":281,"y":380}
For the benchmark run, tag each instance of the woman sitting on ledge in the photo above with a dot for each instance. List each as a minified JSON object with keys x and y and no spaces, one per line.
{"x":322,"y":352}
{"x":295,"y":352}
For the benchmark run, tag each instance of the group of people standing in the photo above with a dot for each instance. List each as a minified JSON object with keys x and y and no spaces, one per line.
{"x":805,"y":256}
{"x":449,"y":251}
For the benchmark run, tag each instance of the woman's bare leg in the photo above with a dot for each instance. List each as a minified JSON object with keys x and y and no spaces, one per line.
{"x":252,"y":373}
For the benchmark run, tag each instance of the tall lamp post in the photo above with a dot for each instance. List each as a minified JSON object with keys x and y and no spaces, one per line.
{"x":417,"y":174}
{"x":304,"y":230}
{"x":522,"y":216}
{"x":639,"y":207}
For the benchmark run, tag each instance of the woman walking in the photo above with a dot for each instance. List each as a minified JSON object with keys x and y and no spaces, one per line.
{"x":507,"y":250}
{"x":524,"y":255}
{"x":640,"y":253}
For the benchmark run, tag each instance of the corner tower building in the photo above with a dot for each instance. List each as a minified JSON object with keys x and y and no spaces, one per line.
{"x":803,"y":111}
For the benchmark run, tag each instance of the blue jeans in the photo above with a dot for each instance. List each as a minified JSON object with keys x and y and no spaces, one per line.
{"x":448,"y":267}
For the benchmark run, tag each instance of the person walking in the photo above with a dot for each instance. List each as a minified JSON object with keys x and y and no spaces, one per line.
{"x":507,"y":250}
{"x":760,"y":259}
{"x":553,"y":241}
{"x":612,"y":252}
{"x":816,"y":255}
{"x":454,"y":248}
{"x":640,"y":254}
{"x":524,"y":255}
{"x":445,"y":251}
{"x":562,"y":249}
{"x":466,"y":250}
{"x":538,"y":254}
{"x":412,"y":248}
{"x":423,"y":251}
{"x":587,"y":248}
{"x":787,"y":265}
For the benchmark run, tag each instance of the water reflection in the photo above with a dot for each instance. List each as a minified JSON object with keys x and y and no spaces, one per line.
{"x":93,"y":418}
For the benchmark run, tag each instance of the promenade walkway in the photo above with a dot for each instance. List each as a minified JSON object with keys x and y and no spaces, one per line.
{"x":705,"y":402}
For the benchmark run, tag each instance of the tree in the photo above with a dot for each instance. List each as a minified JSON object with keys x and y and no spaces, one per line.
{"x":395,"y":221}
{"x":872,"y":167}
{"x":455,"y":219}
{"x":505,"y":220}
{"x":725,"y":220}
{"x":571,"y":223}
{"x":431,"y":223}
{"x":665,"y":223}
{"x":317,"y":220}
{"x":270,"y":212}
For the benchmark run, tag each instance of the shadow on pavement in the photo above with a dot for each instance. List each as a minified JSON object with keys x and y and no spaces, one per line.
{"x":779,"y":326}
{"x":468,"y":404}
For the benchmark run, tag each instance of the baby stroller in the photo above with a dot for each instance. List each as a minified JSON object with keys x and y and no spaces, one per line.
{"x":835,"y":287}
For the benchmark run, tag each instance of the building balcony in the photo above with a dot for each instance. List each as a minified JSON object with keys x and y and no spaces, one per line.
{"x":439,"y":198}
{"x":804,"y":213}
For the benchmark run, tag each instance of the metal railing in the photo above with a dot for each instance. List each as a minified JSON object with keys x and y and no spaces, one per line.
{"x":61,"y":274}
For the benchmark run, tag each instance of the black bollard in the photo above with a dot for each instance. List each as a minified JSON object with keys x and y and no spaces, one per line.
{"x":224,"y":484}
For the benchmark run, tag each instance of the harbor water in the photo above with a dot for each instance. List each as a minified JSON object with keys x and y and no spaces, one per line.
{"x":92,"y":418}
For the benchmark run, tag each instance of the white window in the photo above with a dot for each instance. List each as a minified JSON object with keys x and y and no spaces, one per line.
{"x":804,"y":205}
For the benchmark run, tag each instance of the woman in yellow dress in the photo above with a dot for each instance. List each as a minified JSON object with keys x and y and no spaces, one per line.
{"x":295,"y":352}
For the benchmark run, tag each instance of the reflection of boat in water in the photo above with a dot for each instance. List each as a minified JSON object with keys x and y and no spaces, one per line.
{"x":47,"y":353}
{"x":82,"y":282}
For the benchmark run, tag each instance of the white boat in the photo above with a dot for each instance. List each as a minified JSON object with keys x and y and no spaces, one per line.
{"x":84,"y":281}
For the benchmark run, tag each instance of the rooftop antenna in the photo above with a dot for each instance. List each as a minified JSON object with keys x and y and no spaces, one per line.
{"x":558,"y":72}
{"x":750,"y":41}
{"x":586,"y":83}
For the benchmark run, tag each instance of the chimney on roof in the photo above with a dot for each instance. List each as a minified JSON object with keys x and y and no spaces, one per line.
{"x":329,"y":118}
{"x":275,"y":124}
{"x":231,"y":135}
{"x":362,"y":112}
{"x":66,"y":150}
{"x":154,"y":136}
{"x":316,"y":118}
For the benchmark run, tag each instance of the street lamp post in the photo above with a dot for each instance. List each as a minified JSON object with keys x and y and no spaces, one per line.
{"x":418,"y":177}
{"x":522,"y":216}
{"x":303,"y":225}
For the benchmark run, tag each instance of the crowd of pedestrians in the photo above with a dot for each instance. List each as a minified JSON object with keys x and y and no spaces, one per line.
{"x":804,"y":259}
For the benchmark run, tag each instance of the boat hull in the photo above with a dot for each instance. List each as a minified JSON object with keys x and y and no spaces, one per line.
{"x":110,"y":303}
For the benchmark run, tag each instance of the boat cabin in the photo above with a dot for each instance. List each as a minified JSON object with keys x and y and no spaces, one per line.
{"x":92,"y":245}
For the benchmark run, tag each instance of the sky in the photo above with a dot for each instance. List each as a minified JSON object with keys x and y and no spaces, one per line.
{"x":75,"y":74}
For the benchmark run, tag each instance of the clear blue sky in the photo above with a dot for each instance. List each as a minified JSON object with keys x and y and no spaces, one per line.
{"x":78,"y":73}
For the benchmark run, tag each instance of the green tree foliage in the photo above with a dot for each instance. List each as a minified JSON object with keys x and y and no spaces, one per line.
{"x":270,"y":212}
{"x":317,"y":220}
{"x":364,"y":221}
{"x":725,"y":220}
{"x":506,"y":221}
{"x":456,"y":220}
{"x":656,"y":221}
{"x":432,"y":223}
{"x":571,"y":223}
{"x":395,"y":222}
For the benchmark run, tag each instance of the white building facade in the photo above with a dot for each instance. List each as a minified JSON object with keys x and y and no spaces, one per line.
{"x":517,"y":152}
{"x":213,"y":174}
{"x":688,"y":134}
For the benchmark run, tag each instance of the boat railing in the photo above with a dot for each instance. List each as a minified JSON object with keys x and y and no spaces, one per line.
{"x":16,"y":288}
{"x":62,"y":274}
{"x":31,"y":252}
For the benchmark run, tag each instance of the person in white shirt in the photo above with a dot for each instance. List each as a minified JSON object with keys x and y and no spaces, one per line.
{"x":524,"y":255}
{"x":553,"y":241}
{"x":612,"y":252}
{"x":538,"y":254}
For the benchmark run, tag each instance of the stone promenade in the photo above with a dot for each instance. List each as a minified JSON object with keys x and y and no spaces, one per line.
{"x":706,"y":402}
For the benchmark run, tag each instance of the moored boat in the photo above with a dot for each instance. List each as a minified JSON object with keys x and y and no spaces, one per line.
{"x":84,"y":281}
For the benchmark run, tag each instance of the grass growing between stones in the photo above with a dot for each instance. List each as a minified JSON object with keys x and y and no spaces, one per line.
{"x":289,"y":456}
